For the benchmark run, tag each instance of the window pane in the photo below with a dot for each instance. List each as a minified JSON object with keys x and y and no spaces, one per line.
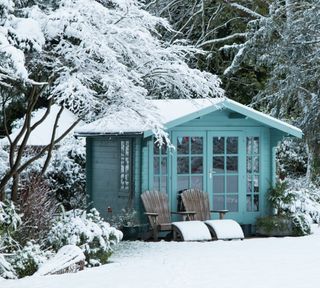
{"x":218,"y":202}
{"x":163,"y":184}
{"x":232,"y":184}
{"x":249,"y":203}
{"x":196,"y":145}
{"x":156,"y":149}
{"x":232,"y":164}
{"x":156,"y":183}
{"x":218,"y":145}
{"x":182,"y":182}
{"x":232,"y":203}
{"x":183,"y":165}
{"x":196,"y":165}
{"x":156,"y":169}
{"x":183,"y":145}
{"x":196,"y":182}
{"x":218,"y":184}
{"x":256,"y":145}
{"x":249,"y":145}
{"x":163,"y":165}
{"x":232,"y":145}
{"x":164,"y":149}
{"x":249,"y":184}
{"x":256,"y":203}
{"x":256,"y":184}
{"x":249,"y":164}
{"x":256,"y":164}
{"x":218,"y":164}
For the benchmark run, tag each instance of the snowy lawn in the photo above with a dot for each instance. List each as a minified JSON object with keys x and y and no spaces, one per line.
{"x":260,"y":262}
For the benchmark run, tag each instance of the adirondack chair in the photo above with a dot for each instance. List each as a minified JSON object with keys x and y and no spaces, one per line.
{"x":156,"y":205}
{"x":198,"y":201}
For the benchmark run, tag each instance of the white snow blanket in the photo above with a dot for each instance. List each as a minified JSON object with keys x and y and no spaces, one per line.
{"x":193,"y":230}
{"x":226,"y":229}
{"x":68,"y":255}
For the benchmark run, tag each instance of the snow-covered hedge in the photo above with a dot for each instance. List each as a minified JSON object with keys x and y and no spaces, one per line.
{"x":26,"y":261}
{"x":292,"y":158}
{"x":88,"y":231}
{"x":66,"y":173}
{"x":300,"y":199}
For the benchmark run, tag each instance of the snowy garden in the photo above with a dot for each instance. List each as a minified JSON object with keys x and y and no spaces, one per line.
{"x":67,"y":63}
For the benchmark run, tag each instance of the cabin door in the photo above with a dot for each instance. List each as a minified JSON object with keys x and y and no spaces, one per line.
{"x":225,"y":172}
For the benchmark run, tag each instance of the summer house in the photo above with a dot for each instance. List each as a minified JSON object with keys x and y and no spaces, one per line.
{"x":221,"y":147}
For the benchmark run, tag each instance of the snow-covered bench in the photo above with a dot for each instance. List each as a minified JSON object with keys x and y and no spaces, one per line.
{"x":68,"y":259}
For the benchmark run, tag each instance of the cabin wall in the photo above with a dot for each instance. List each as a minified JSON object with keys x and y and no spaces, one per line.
{"x":226,"y":122}
{"x":103,"y":174}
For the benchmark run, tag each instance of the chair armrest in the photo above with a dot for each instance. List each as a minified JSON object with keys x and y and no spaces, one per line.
{"x":153,"y":218}
{"x":221,"y":213}
{"x":151,"y":214}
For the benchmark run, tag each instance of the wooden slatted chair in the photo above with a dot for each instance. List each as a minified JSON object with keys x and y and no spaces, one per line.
{"x":156,"y":205}
{"x":198,"y":201}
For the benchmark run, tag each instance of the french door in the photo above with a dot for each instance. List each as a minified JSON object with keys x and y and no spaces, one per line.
{"x":213,"y":162}
{"x":225,"y":165}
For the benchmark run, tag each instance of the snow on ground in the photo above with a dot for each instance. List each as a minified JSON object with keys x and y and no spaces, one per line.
{"x":259,"y":262}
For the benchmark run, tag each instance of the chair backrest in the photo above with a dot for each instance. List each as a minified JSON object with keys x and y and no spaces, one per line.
{"x":157,"y":202}
{"x":198,"y":201}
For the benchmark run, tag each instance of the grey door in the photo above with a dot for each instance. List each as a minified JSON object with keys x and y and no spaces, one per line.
{"x":111,"y":175}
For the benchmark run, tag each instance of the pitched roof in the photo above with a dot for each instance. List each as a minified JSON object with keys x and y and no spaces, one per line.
{"x":174,"y":112}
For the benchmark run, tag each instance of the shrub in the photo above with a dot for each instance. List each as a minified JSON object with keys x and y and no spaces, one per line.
{"x":27,"y":260}
{"x":10,"y":220}
{"x":66,"y":174}
{"x":292,"y":157}
{"x":88,"y":231}
{"x":38,"y":205}
{"x":6,"y":270}
{"x":299,"y":200}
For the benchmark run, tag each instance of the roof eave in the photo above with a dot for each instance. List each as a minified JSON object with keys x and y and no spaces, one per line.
{"x":95,"y":134}
{"x":263,"y":118}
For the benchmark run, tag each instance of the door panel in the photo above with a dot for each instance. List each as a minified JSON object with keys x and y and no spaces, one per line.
{"x":225,"y":171}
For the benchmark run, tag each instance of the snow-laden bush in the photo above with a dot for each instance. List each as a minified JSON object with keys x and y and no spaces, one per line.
{"x":10,"y":220}
{"x":66,"y":173}
{"x":292,"y":158}
{"x":299,"y":199}
{"x":88,"y":231}
{"x":27,"y":260}
{"x":6,"y":270}
{"x":38,"y":205}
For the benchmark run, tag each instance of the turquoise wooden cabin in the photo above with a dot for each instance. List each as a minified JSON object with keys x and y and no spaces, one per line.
{"x":221,"y":147}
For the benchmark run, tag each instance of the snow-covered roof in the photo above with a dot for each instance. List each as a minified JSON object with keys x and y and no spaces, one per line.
{"x":174,"y":112}
{"x":42,"y":134}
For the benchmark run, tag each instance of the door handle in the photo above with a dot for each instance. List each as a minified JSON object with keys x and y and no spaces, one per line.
{"x":211,"y":172}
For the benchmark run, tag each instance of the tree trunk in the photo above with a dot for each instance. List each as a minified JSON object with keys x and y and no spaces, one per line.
{"x":313,"y":170}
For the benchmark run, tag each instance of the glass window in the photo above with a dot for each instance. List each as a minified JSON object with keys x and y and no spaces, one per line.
{"x":160,"y":163}
{"x":253,"y":173}
{"x":190,"y":162}
{"x":218,"y":145}
{"x":125,"y":168}
{"x":183,"y":145}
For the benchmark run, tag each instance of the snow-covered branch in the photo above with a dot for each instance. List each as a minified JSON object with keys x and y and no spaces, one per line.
{"x":224,"y":39}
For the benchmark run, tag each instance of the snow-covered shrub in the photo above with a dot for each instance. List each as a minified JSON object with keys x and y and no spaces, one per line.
{"x":127,"y":217}
{"x":27,"y":260}
{"x":10,"y":220}
{"x":6,"y":270}
{"x":66,"y":173}
{"x":292,"y":158}
{"x":38,"y":205}
{"x":300,"y":200}
{"x":88,"y":231}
